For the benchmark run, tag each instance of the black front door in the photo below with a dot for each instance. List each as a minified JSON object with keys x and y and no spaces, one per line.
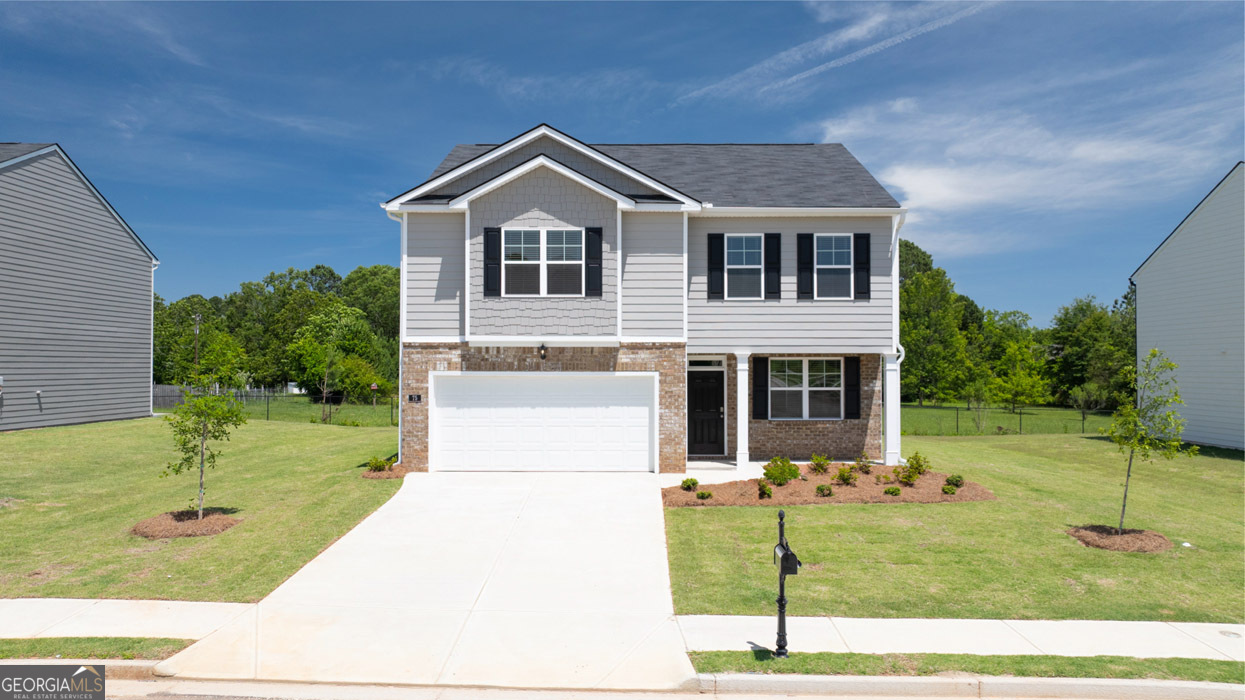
{"x":706,"y":434}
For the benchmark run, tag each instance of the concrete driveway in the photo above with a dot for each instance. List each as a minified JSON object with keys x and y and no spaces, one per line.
{"x":504,"y":579}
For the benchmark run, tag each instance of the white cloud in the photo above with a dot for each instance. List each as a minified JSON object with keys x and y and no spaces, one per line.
{"x":606,"y":84}
{"x":132,"y":24}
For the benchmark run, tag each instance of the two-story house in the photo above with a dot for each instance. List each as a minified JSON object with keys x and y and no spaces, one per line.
{"x":623,"y":307}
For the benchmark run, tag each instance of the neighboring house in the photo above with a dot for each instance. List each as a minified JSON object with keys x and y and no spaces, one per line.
{"x":631,"y":306}
{"x":75,"y":297}
{"x":1191,"y":305}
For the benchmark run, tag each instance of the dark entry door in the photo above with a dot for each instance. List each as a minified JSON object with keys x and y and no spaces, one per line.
{"x":706,"y":434}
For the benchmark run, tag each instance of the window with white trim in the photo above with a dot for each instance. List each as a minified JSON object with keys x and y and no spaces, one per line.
{"x":542,"y":262}
{"x":805,"y":388}
{"x":744,"y":265}
{"x":833,"y":266}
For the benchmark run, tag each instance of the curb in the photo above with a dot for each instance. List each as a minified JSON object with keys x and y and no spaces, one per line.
{"x":114,"y":669}
{"x":968,"y":687}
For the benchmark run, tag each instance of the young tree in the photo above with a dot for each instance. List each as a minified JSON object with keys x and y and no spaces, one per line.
{"x":202,"y":418}
{"x":1089,"y":396}
{"x":1149,"y":426}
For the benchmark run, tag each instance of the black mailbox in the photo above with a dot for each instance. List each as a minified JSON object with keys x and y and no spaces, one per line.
{"x":788,"y":563}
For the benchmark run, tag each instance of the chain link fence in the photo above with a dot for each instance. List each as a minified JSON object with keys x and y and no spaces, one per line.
{"x":266,"y":404}
{"x":1000,"y":420}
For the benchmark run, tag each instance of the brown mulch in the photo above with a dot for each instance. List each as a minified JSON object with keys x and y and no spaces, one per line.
{"x":184,"y":523}
{"x":1105,"y":537}
{"x":395,"y":471}
{"x":928,"y":489}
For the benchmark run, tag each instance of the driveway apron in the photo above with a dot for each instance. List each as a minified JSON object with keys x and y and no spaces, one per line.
{"x":530,"y":580}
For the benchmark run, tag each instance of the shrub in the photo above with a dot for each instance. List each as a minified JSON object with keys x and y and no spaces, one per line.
{"x":846,"y":476}
{"x":819,"y":464}
{"x":955,"y":480}
{"x":863,"y":465}
{"x":824,"y":490}
{"x":378,"y":464}
{"x":780,"y":470}
{"x":918,"y":463}
{"x":764,"y":490}
{"x":704,"y":495}
{"x":891,"y":491}
{"x":690,"y":484}
{"x":878,"y":478}
{"x":948,"y":489}
{"x":906,"y":475}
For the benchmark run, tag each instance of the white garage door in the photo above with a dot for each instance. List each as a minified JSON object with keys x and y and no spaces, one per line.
{"x":542,"y":421}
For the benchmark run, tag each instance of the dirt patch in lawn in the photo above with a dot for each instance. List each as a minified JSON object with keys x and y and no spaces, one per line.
{"x":395,"y":471}
{"x":1106,"y":537}
{"x":928,"y":489}
{"x":186,"y":523}
{"x":8,"y":502}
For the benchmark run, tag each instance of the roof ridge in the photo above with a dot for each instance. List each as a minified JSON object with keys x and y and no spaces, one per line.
{"x":684,"y":143}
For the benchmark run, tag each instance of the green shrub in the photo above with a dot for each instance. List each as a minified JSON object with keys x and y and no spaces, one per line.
{"x":955,"y":480}
{"x":704,"y":495}
{"x":690,"y":484}
{"x":764,"y":490}
{"x":378,"y":464}
{"x":824,"y":490}
{"x":819,"y":464}
{"x":906,"y":475}
{"x":891,"y":491}
{"x":918,"y":463}
{"x":846,"y":476}
{"x":780,"y":470}
{"x":948,"y":489}
{"x":863,"y":465}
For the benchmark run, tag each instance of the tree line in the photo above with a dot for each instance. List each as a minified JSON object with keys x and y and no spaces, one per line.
{"x":333,"y":336}
{"x":955,"y":351}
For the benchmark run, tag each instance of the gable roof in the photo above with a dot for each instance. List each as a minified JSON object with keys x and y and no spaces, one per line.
{"x":1213,"y":190}
{"x":11,"y":153}
{"x":740,"y":174}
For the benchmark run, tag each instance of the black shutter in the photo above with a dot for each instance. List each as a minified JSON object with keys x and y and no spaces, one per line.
{"x":773,"y":266}
{"x":760,"y":388}
{"x":717,"y":265}
{"x":592,"y":258}
{"x":851,"y":387}
{"x":492,"y":262}
{"x":860,"y":253}
{"x":804,"y":265}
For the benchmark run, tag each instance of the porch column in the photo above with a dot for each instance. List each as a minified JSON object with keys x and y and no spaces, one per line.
{"x":890,"y":407}
{"x":741,"y":408}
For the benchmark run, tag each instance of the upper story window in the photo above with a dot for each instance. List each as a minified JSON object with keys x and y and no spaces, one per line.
{"x":542,"y":262}
{"x":744,"y":264}
{"x":833,"y":262}
{"x":808,"y":389}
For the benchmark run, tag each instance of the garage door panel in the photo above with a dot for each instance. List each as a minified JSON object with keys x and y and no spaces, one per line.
{"x":542,"y":421}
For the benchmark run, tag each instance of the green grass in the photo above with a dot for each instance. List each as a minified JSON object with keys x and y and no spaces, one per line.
{"x":930,"y":664}
{"x":1007,"y":558}
{"x":292,"y":408}
{"x":942,"y":420}
{"x":296,"y":488}
{"x":91,"y":648}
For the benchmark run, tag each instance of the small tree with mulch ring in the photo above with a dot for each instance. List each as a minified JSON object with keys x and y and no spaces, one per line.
{"x":204,"y":417}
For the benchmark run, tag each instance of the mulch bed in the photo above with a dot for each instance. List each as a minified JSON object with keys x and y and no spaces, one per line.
{"x":1105,"y":537}
{"x":395,"y":471}
{"x":928,"y":489}
{"x":184,"y":523}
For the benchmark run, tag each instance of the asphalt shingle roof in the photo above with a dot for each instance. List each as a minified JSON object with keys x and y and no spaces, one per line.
{"x":740,"y":174}
{"x":9,"y":150}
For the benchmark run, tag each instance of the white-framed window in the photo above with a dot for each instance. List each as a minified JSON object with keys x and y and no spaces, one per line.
{"x":745,"y":261}
{"x":832,"y":259}
{"x":809,"y":388}
{"x":542,"y":262}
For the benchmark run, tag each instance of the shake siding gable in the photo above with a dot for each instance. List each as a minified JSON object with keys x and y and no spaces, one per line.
{"x":75,"y":302}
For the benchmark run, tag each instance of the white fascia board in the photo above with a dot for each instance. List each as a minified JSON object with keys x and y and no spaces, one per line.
{"x":566,"y":341}
{"x":523,"y":139}
{"x":728,"y":212}
{"x":461,"y":202}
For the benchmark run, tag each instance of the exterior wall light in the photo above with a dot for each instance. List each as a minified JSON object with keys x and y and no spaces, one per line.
{"x":544,"y":351}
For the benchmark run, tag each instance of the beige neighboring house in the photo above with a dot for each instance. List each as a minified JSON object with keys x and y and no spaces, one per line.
{"x":1191,"y":305}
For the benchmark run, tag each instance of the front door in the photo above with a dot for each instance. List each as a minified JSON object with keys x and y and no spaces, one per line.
{"x":706,"y":424}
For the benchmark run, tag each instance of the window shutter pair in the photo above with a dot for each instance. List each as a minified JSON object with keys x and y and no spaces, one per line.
{"x":492,"y":261}
{"x":760,"y":388}
{"x":772,"y":279}
{"x":805,"y":267}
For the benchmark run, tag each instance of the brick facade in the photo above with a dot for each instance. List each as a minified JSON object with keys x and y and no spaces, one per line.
{"x":669,"y":360}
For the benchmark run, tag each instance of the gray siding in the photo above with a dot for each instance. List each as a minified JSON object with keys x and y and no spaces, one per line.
{"x":574,"y":159}
{"x":790,"y":324}
{"x":1191,"y":305}
{"x":434,"y":275}
{"x":652,"y":300}
{"x":75,"y":303}
{"x":543,"y":198}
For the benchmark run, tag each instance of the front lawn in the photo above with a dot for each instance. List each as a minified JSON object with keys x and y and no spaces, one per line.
{"x":950,"y":419}
{"x":79,"y":490}
{"x":1007,"y":558}
{"x":91,"y":648}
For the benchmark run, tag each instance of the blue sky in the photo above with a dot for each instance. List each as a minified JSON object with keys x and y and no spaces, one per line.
{"x":1044,"y":148}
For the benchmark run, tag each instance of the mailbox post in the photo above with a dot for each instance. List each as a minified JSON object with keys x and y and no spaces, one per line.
{"x":788,"y":565}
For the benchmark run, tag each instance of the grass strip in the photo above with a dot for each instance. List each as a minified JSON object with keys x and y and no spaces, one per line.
{"x":92,"y":648}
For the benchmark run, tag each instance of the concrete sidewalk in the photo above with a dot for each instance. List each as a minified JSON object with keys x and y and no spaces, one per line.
{"x":22,"y":618}
{"x":1190,"y":640}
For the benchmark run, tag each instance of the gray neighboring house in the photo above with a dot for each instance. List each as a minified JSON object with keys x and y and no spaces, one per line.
{"x":75,"y":297}
{"x":628,"y":307}
{"x":1191,"y":305}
